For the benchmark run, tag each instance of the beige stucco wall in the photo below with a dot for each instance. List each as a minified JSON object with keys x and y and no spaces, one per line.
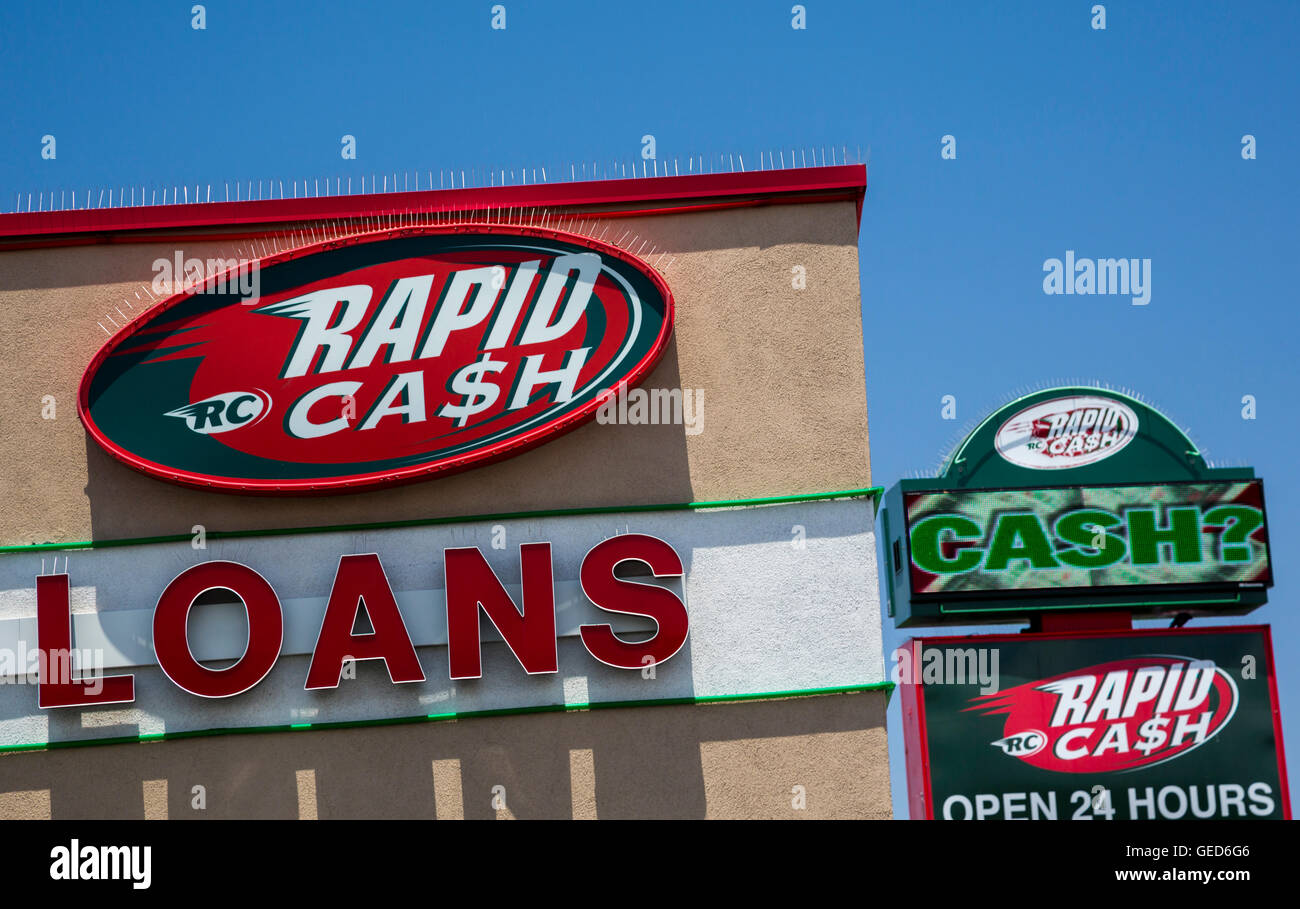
{"x":781,"y":370}
{"x":726,"y":760}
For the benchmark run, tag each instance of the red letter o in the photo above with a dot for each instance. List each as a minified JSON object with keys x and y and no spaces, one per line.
{"x":265,"y":629}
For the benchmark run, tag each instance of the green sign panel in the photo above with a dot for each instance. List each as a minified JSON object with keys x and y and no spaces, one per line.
{"x":1139,"y":725}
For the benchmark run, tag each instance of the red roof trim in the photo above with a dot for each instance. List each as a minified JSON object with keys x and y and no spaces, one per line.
{"x":639,"y":195}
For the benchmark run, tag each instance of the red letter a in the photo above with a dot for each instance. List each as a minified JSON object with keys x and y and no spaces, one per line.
{"x":361,"y":578}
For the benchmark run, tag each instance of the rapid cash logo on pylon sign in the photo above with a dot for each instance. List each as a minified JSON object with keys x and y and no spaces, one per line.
{"x":1067,"y":432}
{"x":1117,"y":716}
{"x":377,"y":359}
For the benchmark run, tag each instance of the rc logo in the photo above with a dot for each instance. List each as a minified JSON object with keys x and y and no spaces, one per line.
{"x":224,"y":412}
{"x":1022,"y":744}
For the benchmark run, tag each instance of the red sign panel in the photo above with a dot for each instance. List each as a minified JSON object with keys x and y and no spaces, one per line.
{"x":376,"y":359}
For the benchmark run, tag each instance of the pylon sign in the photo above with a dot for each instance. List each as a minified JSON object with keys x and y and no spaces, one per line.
{"x":1075,"y":498}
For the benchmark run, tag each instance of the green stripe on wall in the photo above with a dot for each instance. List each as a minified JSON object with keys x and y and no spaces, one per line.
{"x":871,"y":492}
{"x":886,"y":687}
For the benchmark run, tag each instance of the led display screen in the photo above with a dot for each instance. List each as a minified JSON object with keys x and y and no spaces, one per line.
{"x":980,"y":542}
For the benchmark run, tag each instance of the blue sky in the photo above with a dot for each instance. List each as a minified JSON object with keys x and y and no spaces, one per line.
{"x":1122,"y":142}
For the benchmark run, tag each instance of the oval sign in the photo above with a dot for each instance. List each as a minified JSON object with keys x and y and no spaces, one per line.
{"x":1085,"y":730}
{"x":382,"y":358}
{"x":1066,"y":432}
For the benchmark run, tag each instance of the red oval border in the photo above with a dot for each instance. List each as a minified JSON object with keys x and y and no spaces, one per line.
{"x":380,"y":479}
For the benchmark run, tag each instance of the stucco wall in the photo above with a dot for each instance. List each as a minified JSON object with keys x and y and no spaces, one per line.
{"x":727,"y":760}
{"x":781,"y":369}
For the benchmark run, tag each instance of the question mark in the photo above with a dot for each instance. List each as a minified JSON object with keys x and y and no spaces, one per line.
{"x":1238,"y":523}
